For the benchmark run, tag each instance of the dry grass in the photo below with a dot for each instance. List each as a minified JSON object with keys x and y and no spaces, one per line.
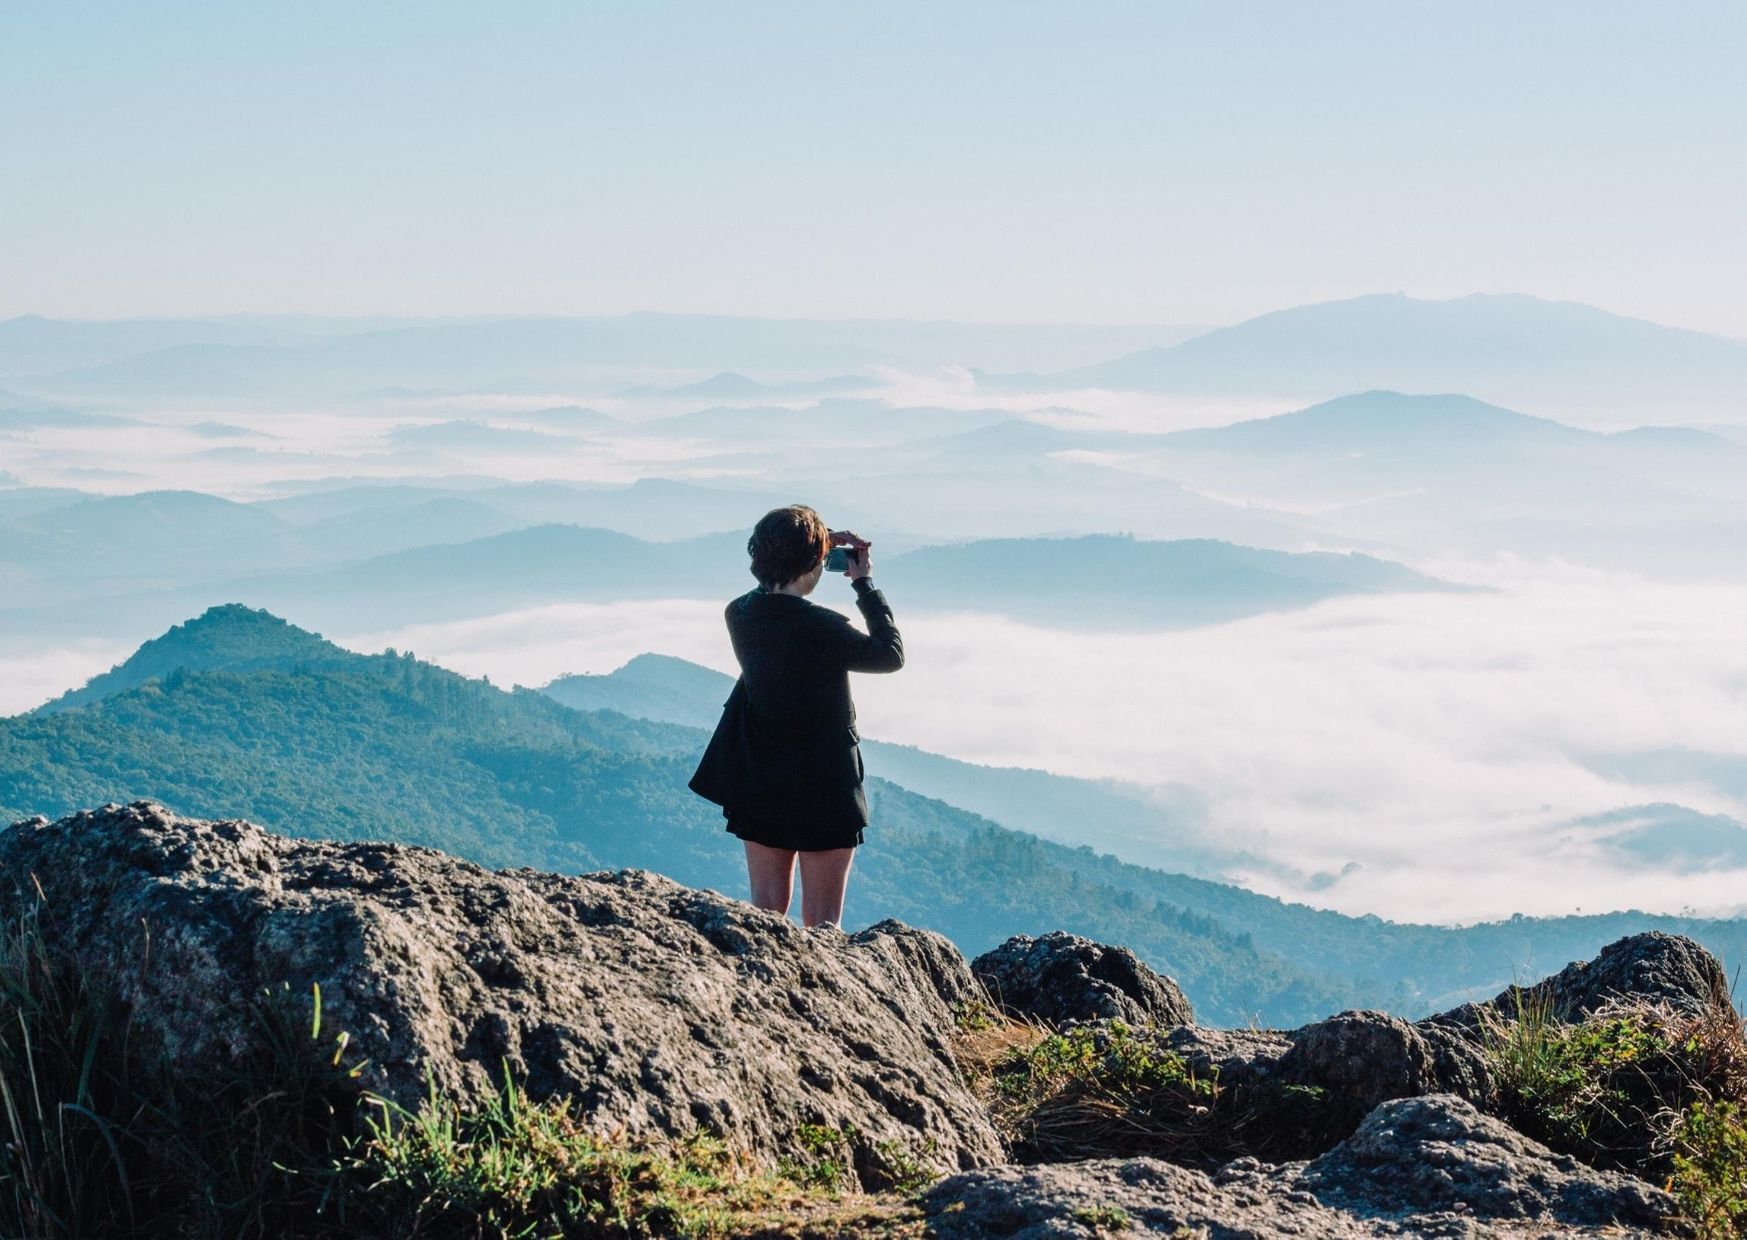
{"x":982,"y":1045}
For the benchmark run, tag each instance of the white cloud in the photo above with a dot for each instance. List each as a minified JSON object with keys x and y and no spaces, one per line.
{"x":28,"y":682}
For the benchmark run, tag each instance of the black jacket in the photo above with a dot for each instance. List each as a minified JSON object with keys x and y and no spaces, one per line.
{"x":786,"y":750}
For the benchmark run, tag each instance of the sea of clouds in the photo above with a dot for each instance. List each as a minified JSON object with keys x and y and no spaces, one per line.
{"x":1432,"y":750}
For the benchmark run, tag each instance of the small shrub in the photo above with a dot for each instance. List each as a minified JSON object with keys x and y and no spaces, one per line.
{"x":1636,"y":1086}
{"x":1709,"y":1160}
{"x":975,"y":1015}
{"x":1588,"y":1088}
{"x":1103,"y":1218}
{"x":1101,"y":1089}
{"x":1709,"y":1156}
{"x":826,"y":1160}
{"x":902,"y":1167}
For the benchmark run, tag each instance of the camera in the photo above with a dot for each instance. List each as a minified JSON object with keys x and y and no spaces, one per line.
{"x":838,"y":560}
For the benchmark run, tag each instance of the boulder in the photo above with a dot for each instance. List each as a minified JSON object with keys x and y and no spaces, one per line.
{"x":1431,"y":1166}
{"x":1062,"y":977}
{"x":1361,"y":1059}
{"x":1663,"y":968}
{"x":662,"y":1009}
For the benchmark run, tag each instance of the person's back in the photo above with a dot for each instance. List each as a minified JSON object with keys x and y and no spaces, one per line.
{"x":796,"y":658}
{"x":785,"y":760}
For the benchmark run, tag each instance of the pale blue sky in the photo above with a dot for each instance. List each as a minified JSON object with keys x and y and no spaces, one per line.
{"x":1011,"y":161}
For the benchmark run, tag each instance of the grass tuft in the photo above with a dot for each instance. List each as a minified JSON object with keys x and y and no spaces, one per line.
{"x":1104,"y":1088}
{"x":1636,"y":1086}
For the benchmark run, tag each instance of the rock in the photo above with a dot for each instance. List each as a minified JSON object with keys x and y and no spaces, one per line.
{"x":1460,"y":1065}
{"x":1435,"y":1154}
{"x":1665,"y":968}
{"x":1115,"y":1197}
{"x":1360,"y":1059}
{"x":1061,"y":977}
{"x":1430,"y":1166}
{"x":662,"y":1009}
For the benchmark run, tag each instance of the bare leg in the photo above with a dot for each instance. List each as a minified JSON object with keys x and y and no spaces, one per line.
{"x":824,"y":877}
{"x":772,"y":871}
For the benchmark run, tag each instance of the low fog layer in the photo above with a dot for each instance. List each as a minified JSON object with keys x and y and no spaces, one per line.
{"x":1442,"y":750}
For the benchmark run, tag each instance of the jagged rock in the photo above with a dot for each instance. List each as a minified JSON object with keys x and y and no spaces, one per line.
{"x":1666,"y":968}
{"x":1061,"y":977}
{"x":1430,"y":1166}
{"x":662,"y":1009}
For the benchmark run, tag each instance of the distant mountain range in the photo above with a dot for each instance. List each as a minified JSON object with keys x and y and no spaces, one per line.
{"x":1554,"y":357}
{"x":237,"y":713}
{"x":1447,"y":473}
{"x":171,"y":553}
{"x":1559,"y":358}
{"x":279,"y":360}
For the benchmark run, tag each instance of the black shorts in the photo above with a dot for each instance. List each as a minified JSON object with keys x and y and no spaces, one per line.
{"x":800,"y":837}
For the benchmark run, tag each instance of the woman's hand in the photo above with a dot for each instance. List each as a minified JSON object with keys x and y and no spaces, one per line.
{"x":861,"y":559}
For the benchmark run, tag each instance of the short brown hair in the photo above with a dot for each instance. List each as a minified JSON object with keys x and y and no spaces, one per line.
{"x":786,"y":544}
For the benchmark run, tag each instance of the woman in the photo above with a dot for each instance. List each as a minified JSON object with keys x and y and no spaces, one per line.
{"x":785,"y":761}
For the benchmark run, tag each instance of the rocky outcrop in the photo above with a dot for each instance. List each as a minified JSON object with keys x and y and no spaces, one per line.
{"x":662,"y":1009}
{"x":1431,"y":1166}
{"x":1652,"y":966}
{"x":1061,"y":977}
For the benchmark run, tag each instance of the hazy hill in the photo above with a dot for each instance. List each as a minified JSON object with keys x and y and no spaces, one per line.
{"x":539,"y":564}
{"x":650,"y":686}
{"x":1380,"y":421}
{"x":658,"y":509}
{"x":24,"y":418}
{"x":572,"y":419}
{"x":1671,"y":837}
{"x":1517,"y":350}
{"x":32,"y":344}
{"x":1444,"y":473}
{"x":397,"y":526}
{"x":822,"y":426}
{"x":128,"y":548}
{"x":1100,"y":580}
{"x":731,"y":386}
{"x":147,"y":540}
